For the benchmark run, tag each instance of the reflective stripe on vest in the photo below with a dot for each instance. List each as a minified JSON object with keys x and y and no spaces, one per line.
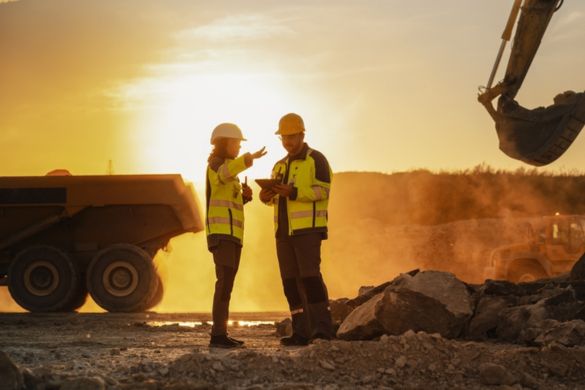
{"x":225,"y":203}
{"x":308,"y":214}
{"x":222,"y":220}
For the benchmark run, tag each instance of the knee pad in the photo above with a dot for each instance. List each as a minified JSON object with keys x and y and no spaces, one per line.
{"x":315,"y":289}
{"x":291,"y":291}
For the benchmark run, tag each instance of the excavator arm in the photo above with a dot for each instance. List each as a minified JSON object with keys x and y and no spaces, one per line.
{"x":536,"y":136}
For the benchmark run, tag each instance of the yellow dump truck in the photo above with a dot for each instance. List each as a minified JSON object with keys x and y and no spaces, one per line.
{"x":556,"y":243}
{"x":64,"y":236}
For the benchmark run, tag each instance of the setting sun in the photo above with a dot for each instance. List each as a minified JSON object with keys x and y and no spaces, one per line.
{"x":185,"y":108}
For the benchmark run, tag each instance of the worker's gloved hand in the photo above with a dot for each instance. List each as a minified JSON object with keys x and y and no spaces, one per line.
{"x":246,"y":193}
{"x":266,"y":195}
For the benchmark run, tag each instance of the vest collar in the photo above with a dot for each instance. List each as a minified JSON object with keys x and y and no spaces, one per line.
{"x":302,"y":155}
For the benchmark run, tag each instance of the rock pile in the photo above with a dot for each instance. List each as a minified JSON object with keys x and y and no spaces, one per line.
{"x":536,"y":313}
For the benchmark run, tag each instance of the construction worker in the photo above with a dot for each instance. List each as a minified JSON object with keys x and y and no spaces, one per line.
{"x":300,"y":215}
{"x":225,"y":198}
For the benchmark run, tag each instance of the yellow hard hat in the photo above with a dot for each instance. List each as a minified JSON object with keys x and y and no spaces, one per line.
{"x":226,"y":130}
{"x":290,"y":124}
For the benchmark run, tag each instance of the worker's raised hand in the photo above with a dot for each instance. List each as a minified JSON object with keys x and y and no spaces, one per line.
{"x":260,"y":153}
{"x":266,"y":195}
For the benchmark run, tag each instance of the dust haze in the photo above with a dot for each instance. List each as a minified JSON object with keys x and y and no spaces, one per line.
{"x":380,"y":225}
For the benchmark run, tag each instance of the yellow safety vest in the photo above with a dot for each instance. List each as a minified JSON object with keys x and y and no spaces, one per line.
{"x":225,"y":206}
{"x":308,"y":211}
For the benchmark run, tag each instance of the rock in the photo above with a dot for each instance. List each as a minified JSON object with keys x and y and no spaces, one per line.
{"x":400,"y":362}
{"x":569,"y":334}
{"x":284,"y":328}
{"x":363,"y":323}
{"x":327,"y":365}
{"x":442,"y":286}
{"x":494,"y":374}
{"x":485,"y":321}
{"x":578,"y":270}
{"x":364,"y":289}
{"x":339,"y":309}
{"x":366,"y":296}
{"x":89,"y":383}
{"x":514,"y":323}
{"x":430,"y":301}
{"x":31,"y":381}
{"x":505,"y":288}
{"x":9,"y":373}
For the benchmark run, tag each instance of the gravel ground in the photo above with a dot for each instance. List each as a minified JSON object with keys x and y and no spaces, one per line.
{"x":169,"y":351}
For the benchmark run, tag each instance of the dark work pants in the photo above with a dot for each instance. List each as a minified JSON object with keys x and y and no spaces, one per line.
{"x":226,"y":256}
{"x":299,"y":260}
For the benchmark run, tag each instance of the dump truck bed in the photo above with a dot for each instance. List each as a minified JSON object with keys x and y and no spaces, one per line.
{"x":82,"y":214}
{"x":78,"y":192}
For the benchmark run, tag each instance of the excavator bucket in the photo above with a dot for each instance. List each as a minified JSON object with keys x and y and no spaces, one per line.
{"x":536,"y":136}
{"x":540,"y":136}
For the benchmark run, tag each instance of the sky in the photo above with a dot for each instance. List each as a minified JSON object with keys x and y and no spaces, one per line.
{"x":382,"y":85}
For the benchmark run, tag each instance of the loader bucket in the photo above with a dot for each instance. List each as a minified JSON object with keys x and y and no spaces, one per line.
{"x":539,"y":136}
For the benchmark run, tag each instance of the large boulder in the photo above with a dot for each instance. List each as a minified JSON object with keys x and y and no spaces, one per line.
{"x":10,"y":376}
{"x":431,"y":301}
{"x":441,"y":286}
{"x":364,"y":322}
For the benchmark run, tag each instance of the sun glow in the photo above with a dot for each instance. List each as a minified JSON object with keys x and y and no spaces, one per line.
{"x":184,"y":109}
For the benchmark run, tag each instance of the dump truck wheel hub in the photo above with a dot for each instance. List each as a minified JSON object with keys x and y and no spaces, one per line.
{"x":41,"y":278}
{"x":120,"y":278}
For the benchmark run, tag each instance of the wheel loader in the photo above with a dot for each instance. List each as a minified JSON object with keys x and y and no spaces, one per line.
{"x":63,"y":236}
{"x":556,"y":243}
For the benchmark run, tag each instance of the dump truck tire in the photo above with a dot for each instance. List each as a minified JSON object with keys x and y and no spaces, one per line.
{"x":78,"y":299}
{"x":122,"y":278}
{"x":525,"y":270}
{"x":158,"y":294}
{"x":43,"y":279}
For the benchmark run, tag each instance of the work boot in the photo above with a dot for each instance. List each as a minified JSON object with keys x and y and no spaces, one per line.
{"x":236,"y":340}
{"x":222,"y":341}
{"x":321,"y":336}
{"x":300,"y":325}
{"x":295,"y":340}
{"x":321,"y":323}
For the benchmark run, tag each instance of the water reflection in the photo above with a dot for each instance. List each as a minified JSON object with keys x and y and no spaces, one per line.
{"x":193,"y":324}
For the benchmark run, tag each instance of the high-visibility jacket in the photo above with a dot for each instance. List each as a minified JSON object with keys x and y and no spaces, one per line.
{"x":225,"y":205}
{"x":310,"y":175}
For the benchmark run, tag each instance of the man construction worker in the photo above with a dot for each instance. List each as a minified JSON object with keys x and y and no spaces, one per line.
{"x":300,"y":215}
{"x":225,"y":198}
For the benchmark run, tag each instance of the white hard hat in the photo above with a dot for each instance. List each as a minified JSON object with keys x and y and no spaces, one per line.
{"x":226,"y":130}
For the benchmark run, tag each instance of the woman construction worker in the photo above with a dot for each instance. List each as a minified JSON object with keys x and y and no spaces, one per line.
{"x":225,"y":198}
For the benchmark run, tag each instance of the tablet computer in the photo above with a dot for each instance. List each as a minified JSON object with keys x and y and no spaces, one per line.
{"x":267,"y":183}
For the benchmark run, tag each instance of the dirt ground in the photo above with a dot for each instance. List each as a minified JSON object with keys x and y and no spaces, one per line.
{"x":170,"y":351}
